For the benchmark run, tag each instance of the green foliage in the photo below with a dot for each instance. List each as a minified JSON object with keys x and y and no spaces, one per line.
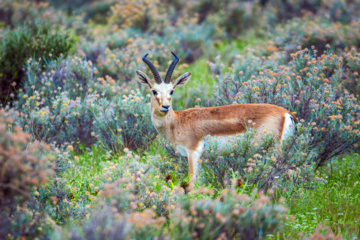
{"x":40,"y":41}
{"x":335,"y":204}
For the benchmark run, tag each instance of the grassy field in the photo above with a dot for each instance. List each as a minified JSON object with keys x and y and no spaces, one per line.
{"x":336,"y":204}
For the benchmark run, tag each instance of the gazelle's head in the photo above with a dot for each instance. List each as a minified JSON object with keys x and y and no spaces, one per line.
{"x":162,"y":91}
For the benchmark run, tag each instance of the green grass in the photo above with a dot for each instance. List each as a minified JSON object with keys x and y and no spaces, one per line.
{"x":336,"y":204}
{"x":199,"y":86}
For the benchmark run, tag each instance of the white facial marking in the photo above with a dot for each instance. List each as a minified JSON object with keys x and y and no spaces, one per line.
{"x":163,"y":90}
{"x":162,"y":93}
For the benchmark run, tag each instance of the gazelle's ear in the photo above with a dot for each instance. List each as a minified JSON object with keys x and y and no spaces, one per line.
{"x":182,"y":80}
{"x":144,"y":80}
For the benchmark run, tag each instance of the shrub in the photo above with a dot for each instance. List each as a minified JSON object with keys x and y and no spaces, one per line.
{"x":66,"y":103}
{"x":23,"y":167}
{"x":312,"y":89}
{"x":308,"y":32}
{"x":350,"y":74}
{"x":123,"y":122}
{"x":230,"y":216}
{"x":41,"y":41}
{"x":25,"y":222}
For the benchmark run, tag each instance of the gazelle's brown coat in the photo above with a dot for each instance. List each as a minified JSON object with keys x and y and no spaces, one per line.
{"x":185,"y":130}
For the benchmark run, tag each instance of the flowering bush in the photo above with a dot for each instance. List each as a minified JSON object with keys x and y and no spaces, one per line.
{"x":307,"y":32}
{"x":23,"y":167}
{"x":230,"y":216}
{"x":22,"y":222}
{"x":67,"y":103}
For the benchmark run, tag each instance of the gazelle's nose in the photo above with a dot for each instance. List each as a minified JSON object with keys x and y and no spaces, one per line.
{"x":166,"y":107}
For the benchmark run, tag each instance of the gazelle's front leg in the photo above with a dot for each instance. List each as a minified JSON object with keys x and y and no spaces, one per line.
{"x":193,"y":159}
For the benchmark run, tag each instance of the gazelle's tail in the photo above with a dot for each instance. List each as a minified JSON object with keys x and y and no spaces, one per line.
{"x":289,"y":126}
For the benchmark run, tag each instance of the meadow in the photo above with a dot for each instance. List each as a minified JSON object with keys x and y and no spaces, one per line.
{"x":81,"y":159}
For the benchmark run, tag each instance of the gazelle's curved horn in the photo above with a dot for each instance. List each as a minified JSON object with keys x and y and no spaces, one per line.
{"x":171,"y":68}
{"x":153,"y":69}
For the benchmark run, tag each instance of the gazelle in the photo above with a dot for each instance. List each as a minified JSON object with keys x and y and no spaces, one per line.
{"x":185,"y":130}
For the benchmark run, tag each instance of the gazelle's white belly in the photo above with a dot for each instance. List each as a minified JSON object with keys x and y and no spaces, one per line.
{"x":221,"y":144}
{"x":182,"y":150}
{"x":218,"y":144}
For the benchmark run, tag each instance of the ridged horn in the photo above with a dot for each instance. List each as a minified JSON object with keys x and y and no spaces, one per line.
{"x":171,"y":69}
{"x":153,"y":69}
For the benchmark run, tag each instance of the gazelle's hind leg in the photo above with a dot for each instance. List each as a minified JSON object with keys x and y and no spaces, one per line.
{"x":288,"y":127}
{"x":193,"y":159}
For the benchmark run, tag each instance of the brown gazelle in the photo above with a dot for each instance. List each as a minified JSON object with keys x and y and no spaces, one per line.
{"x":186,"y":130}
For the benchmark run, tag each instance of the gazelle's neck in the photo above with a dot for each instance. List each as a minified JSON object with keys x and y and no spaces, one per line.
{"x":162,"y":122}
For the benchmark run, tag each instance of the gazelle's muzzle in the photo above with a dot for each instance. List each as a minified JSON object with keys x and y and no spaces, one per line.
{"x":165,"y":108}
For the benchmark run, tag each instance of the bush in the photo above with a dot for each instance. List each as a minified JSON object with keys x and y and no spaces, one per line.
{"x":23,"y":167}
{"x":67,"y":104}
{"x":312,"y":89}
{"x":25,"y":222}
{"x":231,"y":216}
{"x":317,"y":32}
{"x":40,"y":41}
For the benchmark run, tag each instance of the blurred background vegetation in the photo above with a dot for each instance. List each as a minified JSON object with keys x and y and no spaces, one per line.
{"x":80,"y":159}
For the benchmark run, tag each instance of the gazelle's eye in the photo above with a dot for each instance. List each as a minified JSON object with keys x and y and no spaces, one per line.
{"x":172,"y":91}
{"x":154,"y":92}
